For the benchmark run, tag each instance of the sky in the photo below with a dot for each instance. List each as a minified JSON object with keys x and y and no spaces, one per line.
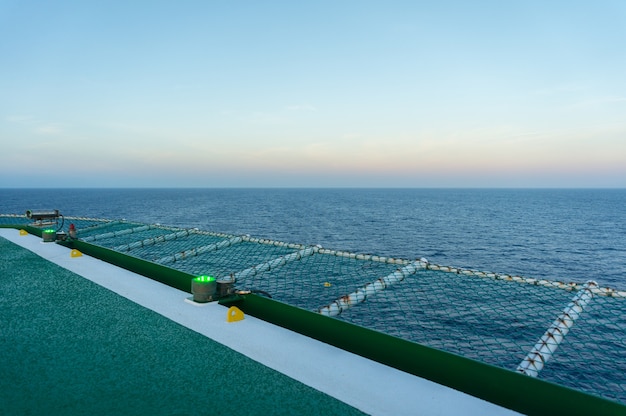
{"x":312,"y":94}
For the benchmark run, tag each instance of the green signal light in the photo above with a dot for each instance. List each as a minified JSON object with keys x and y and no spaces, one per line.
{"x":204,"y":279}
{"x":203,"y":288}
{"x":48,"y":235}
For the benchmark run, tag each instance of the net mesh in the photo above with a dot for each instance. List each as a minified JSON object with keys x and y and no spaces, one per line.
{"x":494,"y":318}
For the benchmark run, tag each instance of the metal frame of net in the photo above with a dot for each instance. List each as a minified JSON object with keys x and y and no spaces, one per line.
{"x":572,"y":334}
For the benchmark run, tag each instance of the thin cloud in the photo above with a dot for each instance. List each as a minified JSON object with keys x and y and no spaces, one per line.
{"x":559,"y":89}
{"x":595,"y":103}
{"x":20,"y":119}
{"x":38,"y":126}
{"x":50,"y":129}
{"x":598,"y":101}
{"x":301,"y":107}
{"x":259,"y":117}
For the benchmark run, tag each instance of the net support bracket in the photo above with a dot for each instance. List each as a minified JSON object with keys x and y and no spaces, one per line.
{"x":277,"y":262}
{"x":549,"y":342}
{"x":347,"y":301}
{"x":198,"y":250}
{"x":152,"y":241}
{"x":113,"y":234}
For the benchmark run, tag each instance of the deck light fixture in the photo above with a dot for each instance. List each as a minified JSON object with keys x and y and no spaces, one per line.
{"x":42,"y":215}
{"x":225,"y":286}
{"x":49,"y":236}
{"x":203,"y":288}
{"x":46,"y":218}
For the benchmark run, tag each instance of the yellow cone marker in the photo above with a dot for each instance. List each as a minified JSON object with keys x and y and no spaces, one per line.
{"x":23,"y":232}
{"x":75,"y":253}
{"x":234,"y":314}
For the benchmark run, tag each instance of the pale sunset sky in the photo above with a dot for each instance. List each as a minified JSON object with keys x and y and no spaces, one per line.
{"x":313,"y":93}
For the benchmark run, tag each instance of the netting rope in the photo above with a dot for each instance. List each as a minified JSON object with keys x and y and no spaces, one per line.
{"x":549,"y":342}
{"x":366,"y":257}
{"x":571,"y":286}
{"x":361,"y":294}
{"x":277,"y":262}
{"x":199,"y":250}
{"x":113,"y":234}
{"x":152,"y":241}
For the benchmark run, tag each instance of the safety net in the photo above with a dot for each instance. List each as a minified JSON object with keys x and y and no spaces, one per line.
{"x":573,"y":334}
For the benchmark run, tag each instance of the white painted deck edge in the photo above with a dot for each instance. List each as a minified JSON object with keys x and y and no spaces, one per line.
{"x":369,"y":386}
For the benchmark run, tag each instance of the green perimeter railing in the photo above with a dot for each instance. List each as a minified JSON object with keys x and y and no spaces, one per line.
{"x":503,"y":387}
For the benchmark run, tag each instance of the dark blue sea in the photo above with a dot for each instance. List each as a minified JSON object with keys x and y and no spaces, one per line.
{"x":561,"y":234}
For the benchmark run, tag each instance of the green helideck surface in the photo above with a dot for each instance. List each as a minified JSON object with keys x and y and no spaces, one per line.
{"x":70,"y":346}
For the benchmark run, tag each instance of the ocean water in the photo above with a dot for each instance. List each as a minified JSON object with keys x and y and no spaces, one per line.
{"x":560,"y":234}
